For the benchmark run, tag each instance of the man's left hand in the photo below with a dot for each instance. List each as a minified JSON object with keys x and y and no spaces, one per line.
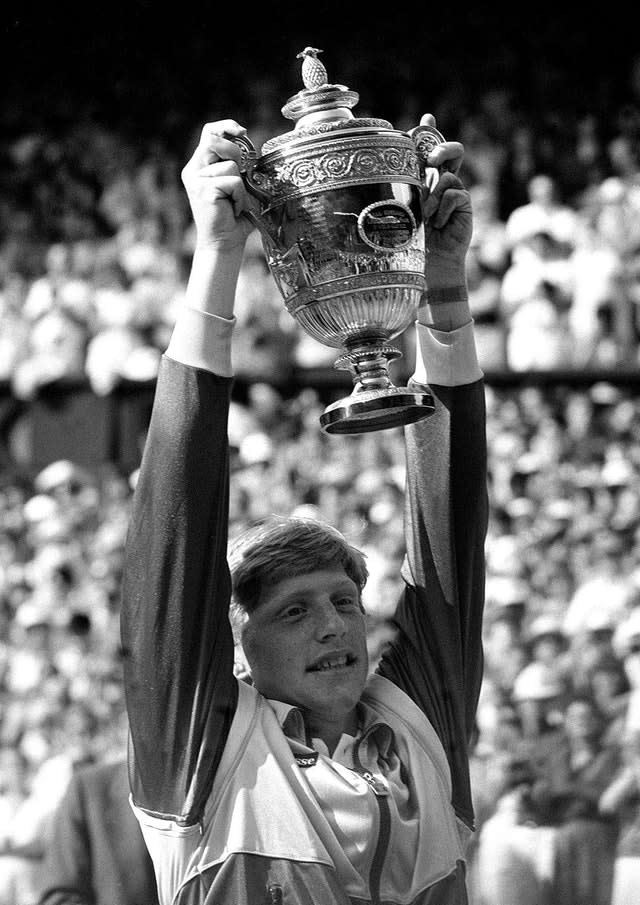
{"x":447,"y":214}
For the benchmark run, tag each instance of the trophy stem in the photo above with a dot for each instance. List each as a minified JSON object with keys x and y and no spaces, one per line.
{"x":375,"y":403}
{"x":369,"y":365}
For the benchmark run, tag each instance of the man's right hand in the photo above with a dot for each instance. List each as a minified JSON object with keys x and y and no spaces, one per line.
{"x":216,"y":192}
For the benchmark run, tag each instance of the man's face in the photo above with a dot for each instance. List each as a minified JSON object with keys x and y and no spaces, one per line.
{"x":306,"y":645}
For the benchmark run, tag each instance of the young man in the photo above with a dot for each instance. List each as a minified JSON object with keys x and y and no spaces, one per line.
{"x":314,"y":782}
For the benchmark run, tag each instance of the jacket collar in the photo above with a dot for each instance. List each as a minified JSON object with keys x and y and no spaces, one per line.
{"x":370,"y":727}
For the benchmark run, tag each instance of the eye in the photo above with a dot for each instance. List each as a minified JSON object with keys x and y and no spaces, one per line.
{"x":343,"y":602}
{"x":293,"y":611}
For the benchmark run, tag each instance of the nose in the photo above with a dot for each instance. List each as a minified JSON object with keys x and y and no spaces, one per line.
{"x":329,"y":622}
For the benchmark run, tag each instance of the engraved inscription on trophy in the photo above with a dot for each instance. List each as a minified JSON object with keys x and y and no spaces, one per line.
{"x":386,"y":225}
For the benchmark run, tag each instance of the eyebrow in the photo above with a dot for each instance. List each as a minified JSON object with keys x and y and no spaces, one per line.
{"x":348,"y":588}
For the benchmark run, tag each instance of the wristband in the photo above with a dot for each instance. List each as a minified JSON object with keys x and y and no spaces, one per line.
{"x":445,"y":295}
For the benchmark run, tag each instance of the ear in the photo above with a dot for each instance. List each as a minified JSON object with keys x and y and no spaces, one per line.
{"x":241,"y":669}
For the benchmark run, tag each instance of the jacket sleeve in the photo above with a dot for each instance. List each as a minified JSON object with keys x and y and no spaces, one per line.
{"x":436,"y":654}
{"x":176,"y":637}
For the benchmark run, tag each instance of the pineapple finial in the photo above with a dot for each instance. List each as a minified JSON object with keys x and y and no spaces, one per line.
{"x":314,"y":75}
{"x":318,"y":96}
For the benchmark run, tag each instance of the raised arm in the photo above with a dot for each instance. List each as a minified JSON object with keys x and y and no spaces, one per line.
{"x":436,"y":656}
{"x":176,"y":637}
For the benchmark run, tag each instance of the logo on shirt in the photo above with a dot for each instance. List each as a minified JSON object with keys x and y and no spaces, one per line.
{"x":307,"y":760}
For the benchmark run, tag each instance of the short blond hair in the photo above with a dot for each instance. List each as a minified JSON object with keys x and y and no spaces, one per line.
{"x":277,"y":548}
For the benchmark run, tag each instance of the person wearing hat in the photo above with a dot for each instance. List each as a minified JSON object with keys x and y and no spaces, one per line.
{"x":538,"y":693}
{"x":548,"y":644}
{"x":547,"y":639}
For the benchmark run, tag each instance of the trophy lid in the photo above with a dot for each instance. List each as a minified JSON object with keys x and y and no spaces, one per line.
{"x":319,"y":106}
{"x":318,"y":94}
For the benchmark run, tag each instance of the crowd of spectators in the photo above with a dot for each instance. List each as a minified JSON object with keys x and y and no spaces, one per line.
{"x":559,"y":717}
{"x":95,"y":249}
{"x":95,"y":245}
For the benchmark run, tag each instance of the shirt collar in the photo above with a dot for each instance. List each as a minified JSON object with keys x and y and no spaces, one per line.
{"x":290,"y":719}
{"x":370,"y":726}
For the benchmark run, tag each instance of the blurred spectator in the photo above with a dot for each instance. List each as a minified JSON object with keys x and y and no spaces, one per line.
{"x":548,"y":644}
{"x":609,"y":687}
{"x":535,"y":300}
{"x":543,"y":214}
{"x":118,"y":349}
{"x":94,"y":850}
{"x":570,"y":791}
{"x":18,"y":872}
{"x":621,"y":799}
{"x":487,"y":261}
{"x":627,"y":642}
{"x":603,"y":591}
{"x":55,"y":351}
{"x":539,"y":694}
{"x":519,"y":166}
{"x":595,"y":296}
{"x":505,"y":651}
{"x":515,"y":857}
{"x":15,"y":328}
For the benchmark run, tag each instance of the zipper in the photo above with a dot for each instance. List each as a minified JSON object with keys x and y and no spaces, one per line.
{"x":381,"y":794}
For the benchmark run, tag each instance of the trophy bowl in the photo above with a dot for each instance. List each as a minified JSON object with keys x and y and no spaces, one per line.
{"x":338,"y":204}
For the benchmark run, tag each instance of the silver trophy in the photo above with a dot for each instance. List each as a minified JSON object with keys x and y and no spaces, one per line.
{"x":337,"y":203}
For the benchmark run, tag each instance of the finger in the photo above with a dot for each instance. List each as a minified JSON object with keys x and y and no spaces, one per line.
{"x":223,"y":127}
{"x":452,"y":200}
{"x":191,"y":174}
{"x":428,"y":120}
{"x":447,"y":156}
{"x":218,"y":148}
{"x":216,"y":142}
{"x":231,"y":187}
{"x":220,"y":168}
{"x":431,"y":178}
{"x":432,"y":201}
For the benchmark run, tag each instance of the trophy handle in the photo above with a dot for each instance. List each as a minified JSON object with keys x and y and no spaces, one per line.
{"x":257,"y":195}
{"x":426,"y":138}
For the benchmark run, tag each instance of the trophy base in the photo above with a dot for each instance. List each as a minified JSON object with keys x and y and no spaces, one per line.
{"x":378,"y":409}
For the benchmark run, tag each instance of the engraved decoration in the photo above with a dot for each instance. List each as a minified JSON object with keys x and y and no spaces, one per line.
{"x":386,"y":225}
{"x":344,"y":162}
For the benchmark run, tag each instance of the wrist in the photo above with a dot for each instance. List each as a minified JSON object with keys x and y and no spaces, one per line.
{"x":215,"y":269}
{"x":445,"y":307}
{"x":445,"y":295}
{"x":220,"y":245}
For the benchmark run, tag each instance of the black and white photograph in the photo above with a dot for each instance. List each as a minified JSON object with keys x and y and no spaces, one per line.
{"x":319,"y":455}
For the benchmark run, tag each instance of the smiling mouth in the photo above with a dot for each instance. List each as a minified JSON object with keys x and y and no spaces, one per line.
{"x":331,"y":664}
